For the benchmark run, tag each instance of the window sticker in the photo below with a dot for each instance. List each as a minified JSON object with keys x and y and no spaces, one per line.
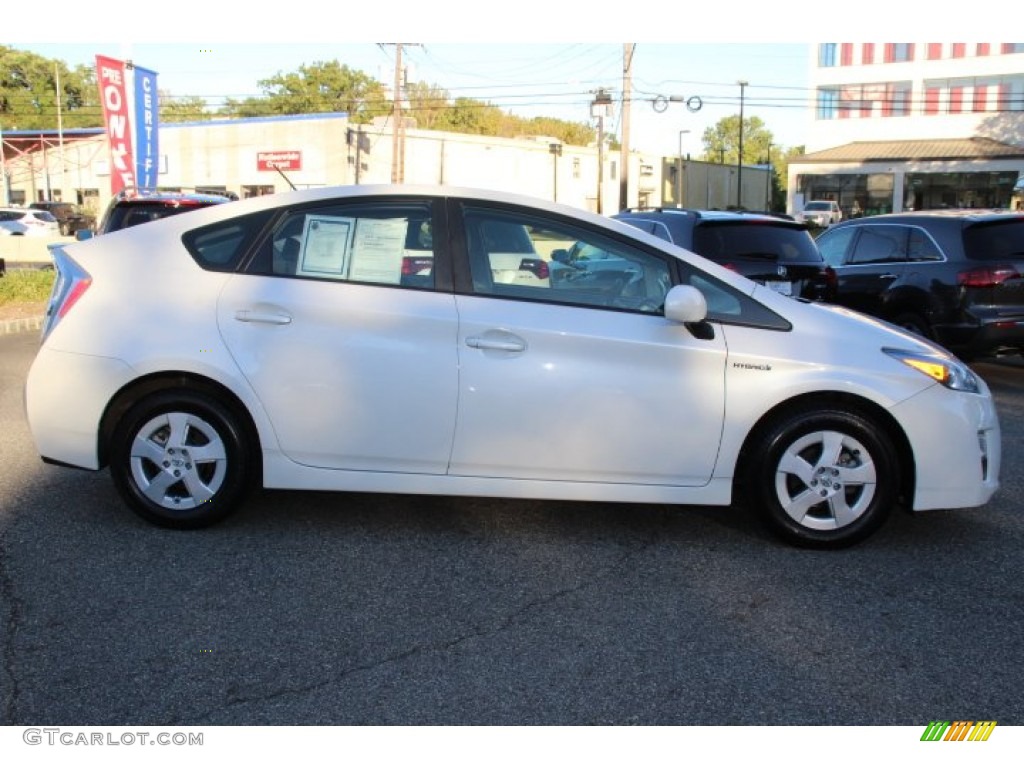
{"x":377,"y":250}
{"x":326,"y":244}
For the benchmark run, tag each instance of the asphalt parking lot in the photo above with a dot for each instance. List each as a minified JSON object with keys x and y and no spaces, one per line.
{"x":344,"y":609}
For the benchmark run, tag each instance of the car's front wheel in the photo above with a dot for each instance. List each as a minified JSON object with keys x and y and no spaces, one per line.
{"x":823,"y":478}
{"x":180,"y":460}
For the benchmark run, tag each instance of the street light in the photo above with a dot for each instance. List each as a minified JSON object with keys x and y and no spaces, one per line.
{"x":556,"y":152}
{"x":739,"y":175}
{"x":679,"y":176}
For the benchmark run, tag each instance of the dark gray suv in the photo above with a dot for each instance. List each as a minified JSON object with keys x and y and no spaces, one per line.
{"x":956,"y":277}
{"x":775,"y":251}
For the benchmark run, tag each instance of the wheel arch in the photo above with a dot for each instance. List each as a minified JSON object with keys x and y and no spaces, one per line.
{"x":136,"y":390}
{"x":831,"y":400}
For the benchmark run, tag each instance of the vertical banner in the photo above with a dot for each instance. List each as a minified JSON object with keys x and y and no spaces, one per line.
{"x":110,"y":74}
{"x":147,"y":128}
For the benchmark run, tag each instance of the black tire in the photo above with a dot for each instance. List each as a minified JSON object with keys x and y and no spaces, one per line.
{"x":188,"y":433}
{"x":913,"y":322}
{"x":823,"y":478}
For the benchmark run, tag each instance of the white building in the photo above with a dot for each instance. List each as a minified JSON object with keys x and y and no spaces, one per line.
{"x":901,"y":126}
{"x":260,"y":156}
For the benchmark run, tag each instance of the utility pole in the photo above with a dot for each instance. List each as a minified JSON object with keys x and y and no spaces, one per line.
{"x":397,"y":128}
{"x":627,"y":91}
{"x":599,"y":109}
{"x":739,"y":166}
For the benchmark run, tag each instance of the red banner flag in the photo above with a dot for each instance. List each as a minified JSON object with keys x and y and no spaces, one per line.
{"x":110,"y":74}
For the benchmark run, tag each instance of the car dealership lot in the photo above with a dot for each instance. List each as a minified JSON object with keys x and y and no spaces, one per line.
{"x":310,"y":608}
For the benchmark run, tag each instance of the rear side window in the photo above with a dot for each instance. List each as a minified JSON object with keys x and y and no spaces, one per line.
{"x":220,"y":247}
{"x":995,"y":240}
{"x":377,"y":243}
{"x":721,"y":241}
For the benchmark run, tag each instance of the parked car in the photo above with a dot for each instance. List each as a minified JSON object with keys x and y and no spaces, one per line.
{"x":956,"y":277}
{"x":820,"y":213}
{"x":771,"y":250}
{"x":281,"y":341}
{"x":26,"y":222}
{"x":133,"y":206}
{"x":70,"y":218}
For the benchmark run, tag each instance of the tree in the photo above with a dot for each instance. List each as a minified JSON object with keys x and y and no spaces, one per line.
{"x":316,"y":88}
{"x":427,"y":104}
{"x":28,"y":92}
{"x":721,"y":141}
{"x":186,"y":109}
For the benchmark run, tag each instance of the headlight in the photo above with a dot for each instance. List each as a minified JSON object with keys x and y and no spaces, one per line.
{"x":948,"y":371}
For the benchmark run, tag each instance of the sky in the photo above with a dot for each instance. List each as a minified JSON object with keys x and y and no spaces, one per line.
{"x":527,"y":79}
{"x":530,"y":57}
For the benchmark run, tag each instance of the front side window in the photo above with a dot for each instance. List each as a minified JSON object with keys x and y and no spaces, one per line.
{"x":827,"y":55}
{"x":833,"y":245}
{"x":384,"y":244}
{"x":880,"y":245}
{"x":523,"y":256}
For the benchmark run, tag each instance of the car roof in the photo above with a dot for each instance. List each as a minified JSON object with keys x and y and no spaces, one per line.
{"x":138,"y":194}
{"x":945,"y":214}
{"x":711,"y":215}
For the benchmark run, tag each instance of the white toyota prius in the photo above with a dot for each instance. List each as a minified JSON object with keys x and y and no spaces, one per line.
{"x":414,"y":340}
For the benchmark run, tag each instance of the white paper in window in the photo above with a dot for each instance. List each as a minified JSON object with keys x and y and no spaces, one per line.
{"x":377,"y":250}
{"x":326,"y":242}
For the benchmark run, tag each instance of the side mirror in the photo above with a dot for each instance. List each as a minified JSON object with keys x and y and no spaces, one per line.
{"x":561,"y":255}
{"x":685,"y":304}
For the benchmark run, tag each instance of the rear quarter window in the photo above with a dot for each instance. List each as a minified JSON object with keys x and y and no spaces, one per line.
{"x":221,"y":247}
{"x":995,"y":240}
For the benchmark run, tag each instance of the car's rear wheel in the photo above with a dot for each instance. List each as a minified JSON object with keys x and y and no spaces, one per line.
{"x":823,"y":478}
{"x":179,"y":459}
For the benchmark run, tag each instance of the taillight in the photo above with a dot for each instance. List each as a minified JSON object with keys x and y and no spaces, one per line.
{"x":69,"y":287}
{"x":727,"y":265}
{"x":415,"y":265}
{"x":986,"y":277}
{"x":539,"y":267}
{"x":77,"y":291}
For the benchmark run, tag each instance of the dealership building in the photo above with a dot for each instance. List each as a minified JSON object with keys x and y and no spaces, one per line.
{"x":259,"y":156}
{"x":912,"y":126}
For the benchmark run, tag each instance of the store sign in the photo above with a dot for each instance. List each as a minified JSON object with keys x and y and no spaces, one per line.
{"x":284,"y":161}
{"x":110,"y":74}
{"x":147,"y":128}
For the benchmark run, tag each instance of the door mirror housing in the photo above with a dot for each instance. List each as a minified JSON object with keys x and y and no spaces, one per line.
{"x":685,"y":304}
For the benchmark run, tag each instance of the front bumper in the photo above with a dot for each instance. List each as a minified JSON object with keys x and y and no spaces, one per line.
{"x":957,"y":446}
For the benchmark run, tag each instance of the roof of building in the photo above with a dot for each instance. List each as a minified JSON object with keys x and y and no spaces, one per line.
{"x":974,"y":148}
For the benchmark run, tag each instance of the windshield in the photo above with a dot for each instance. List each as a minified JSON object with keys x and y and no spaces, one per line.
{"x":818,"y":207}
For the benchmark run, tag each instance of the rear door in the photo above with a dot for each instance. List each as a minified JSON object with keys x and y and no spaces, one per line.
{"x":345,"y":329}
{"x":868,"y":260}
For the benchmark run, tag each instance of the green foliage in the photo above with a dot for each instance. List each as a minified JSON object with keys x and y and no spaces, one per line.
{"x":28,"y":92}
{"x":316,"y":88}
{"x":187,"y":109}
{"x":721,"y":141}
{"x":26,"y":285}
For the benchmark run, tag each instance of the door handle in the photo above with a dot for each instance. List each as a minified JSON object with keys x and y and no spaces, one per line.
{"x":888,"y":276}
{"x":504,"y":344}
{"x":269,"y":318}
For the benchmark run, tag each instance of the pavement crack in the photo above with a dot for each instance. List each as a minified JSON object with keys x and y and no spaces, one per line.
{"x":480,"y":632}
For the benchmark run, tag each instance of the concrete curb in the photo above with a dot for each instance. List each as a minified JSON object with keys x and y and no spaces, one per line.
{"x":21,"y":325}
